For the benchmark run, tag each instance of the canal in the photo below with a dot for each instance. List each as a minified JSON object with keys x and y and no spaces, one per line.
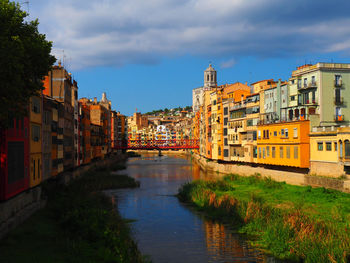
{"x":169,"y":231}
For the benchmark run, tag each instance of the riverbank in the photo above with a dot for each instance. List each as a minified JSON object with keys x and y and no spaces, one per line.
{"x":279,"y":174}
{"x":79,"y":224}
{"x":287,"y":221}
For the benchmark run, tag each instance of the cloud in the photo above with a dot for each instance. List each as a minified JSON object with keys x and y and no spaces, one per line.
{"x":228,"y":63}
{"x":117,"y":33}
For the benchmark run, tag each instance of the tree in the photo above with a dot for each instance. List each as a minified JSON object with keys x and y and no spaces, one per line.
{"x":25,"y":61}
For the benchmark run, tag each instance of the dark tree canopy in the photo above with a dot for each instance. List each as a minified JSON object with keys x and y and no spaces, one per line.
{"x":25,"y":60}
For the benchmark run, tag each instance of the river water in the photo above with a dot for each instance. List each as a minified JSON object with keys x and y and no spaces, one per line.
{"x":168,"y":230}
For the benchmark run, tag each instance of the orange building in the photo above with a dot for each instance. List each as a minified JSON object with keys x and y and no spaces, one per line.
{"x":86,"y":131}
{"x":284,"y":143}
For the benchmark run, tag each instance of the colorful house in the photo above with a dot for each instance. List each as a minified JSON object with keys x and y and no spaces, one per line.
{"x":284,"y":143}
{"x":35,"y":142}
{"x":14,"y":158}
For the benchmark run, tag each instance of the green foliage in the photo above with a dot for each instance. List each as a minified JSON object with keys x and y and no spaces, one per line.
{"x":25,"y":60}
{"x":290,"y":222}
{"x":79,"y":224}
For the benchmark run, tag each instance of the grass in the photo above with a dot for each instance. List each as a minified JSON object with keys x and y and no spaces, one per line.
{"x":79,"y":224}
{"x":290,"y":222}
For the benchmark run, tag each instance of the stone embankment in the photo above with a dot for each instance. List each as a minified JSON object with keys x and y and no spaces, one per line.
{"x":16,"y":210}
{"x":290,"y":177}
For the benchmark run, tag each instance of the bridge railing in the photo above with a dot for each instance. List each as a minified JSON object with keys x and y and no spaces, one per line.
{"x":157,"y":144}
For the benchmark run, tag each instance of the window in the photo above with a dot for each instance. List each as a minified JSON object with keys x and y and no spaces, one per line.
{"x":273,"y":151}
{"x":286,"y":133}
{"x":259,"y":153}
{"x":292,"y":81}
{"x":275,"y":133}
{"x":295,"y":132}
{"x":335,"y":146}
{"x":313,"y":80}
{"x":337,"y":96}
{"x":225,"y":111}
{"x":268,"y":151}
{"x":225,"y":152}
{"x":347,"y":149}
{"x":288,"y":152}
{"x":299,"y":83}
{"x":263,"y":152}
{"x":225,"y":142}
{"x":259,"y":134}
{"x":255,"y":152}
{"x":305,"y":82}
{"x":328,"y":146}
{"x":282,"y":132}
{"x":35,"y":104}
{"x":320,"y":146}
{"x":281,"y":151}
{"x":292,"y":98}
{"x":35,"y":133}
{"x":337,"y":80}
{"x":295,"y":152}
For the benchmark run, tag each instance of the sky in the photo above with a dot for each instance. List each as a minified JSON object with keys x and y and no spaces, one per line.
{"x":148,"y":55}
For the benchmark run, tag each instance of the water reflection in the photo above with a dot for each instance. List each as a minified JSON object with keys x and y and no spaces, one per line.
{"x":168,"y":230}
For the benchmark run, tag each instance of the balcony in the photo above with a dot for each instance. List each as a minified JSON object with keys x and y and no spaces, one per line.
{"x":309,"y":102}
{"x":338,"y":83}
{"x":338,"y":101}
{"x":339,"y":118}
{"x":312,"y":84}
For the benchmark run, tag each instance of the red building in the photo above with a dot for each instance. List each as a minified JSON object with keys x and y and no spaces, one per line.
{"x":14,"y":158}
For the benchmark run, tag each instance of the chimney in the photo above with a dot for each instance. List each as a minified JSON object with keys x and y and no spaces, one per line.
{"x":95,"y":100}
{"x":59,"y":63}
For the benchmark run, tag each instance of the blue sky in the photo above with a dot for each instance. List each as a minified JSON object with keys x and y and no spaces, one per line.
{"x":151,"y":54}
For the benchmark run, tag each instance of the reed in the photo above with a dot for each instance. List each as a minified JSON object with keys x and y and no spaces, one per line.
{"x":289,"y":222}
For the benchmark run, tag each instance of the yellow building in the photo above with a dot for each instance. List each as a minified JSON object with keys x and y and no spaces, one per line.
{"x":284,"y":143}
{"x":214,"y":125}
{"x":35,"y":156}
{"x":330,"y":151}
{"x":324,"y":157}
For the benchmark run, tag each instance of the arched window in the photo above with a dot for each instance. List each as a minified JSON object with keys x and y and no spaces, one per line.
{"x":347,"y":149}
{"x":340,"y":149}
{"x":211,"y":77}
{"x":207,"y":77}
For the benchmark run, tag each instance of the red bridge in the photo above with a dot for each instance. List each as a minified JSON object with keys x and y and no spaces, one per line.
{"x":157,"y":144}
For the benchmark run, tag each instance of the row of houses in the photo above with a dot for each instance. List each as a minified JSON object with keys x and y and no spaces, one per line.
{"x":301,"y":123}
{"x":60,"y":133}
{"x":148,"y":127}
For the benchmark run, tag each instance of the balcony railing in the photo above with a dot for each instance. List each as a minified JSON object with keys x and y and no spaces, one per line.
{"x":339,"y":118}
{"x":338,"y":100}
{"x":312,"y":84}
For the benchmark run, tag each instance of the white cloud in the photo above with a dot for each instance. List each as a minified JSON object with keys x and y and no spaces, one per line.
{"x":228,"y":63}
{"x":116,"y":33}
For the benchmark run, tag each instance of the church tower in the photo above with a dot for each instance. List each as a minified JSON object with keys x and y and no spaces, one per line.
{"x":210,"y":77}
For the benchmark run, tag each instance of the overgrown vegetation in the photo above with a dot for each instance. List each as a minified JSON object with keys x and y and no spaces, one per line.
{"x":290,"y":222}
{"x":79,"y":224}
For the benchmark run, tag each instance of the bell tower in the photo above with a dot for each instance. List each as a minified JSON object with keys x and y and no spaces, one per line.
{"x":210,"y":78}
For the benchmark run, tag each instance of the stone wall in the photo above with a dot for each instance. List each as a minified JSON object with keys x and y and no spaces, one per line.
{"x":328,"y":169}
{"x":294,"y":178}
{"x":16,"y":210}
